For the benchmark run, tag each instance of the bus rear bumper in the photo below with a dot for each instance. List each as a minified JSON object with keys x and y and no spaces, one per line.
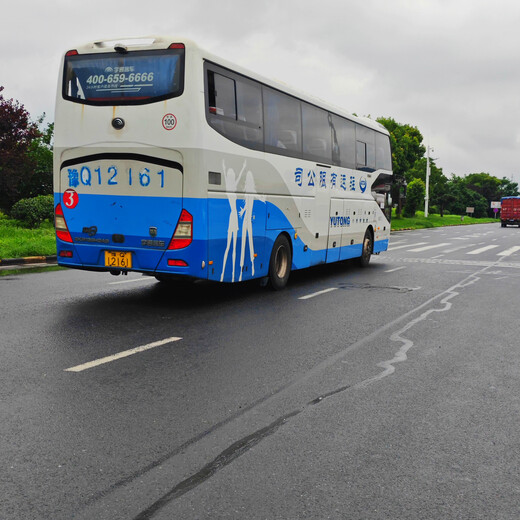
{"x":187,"y":262}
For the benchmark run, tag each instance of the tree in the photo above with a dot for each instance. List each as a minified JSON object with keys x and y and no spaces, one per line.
{"x":479,"y":203}
{"x":406,"y":145}
{"x":438,"y":181}
{"x":406,"y":150}
{"x":490,"y":188}
{"x":460,"y":197}
{"x":18,"y":153}
{"x":440,"y":195}
{"x":414,"y":197}
{"x":484,"y":184}
{"x":508,"y":188}
{"x":40,"y":153}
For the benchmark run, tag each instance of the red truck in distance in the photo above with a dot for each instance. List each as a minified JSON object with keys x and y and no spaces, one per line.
{"x":510,"y":211}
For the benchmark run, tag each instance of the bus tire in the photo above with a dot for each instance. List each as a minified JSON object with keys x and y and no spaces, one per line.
{"x":368,"y":248}
{"x":280,"y":263}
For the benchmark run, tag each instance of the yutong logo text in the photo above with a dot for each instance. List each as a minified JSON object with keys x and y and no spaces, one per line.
{"x":339,"y":221}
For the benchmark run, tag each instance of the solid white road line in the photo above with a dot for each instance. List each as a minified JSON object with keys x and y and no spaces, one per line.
{"x":317,"y":293}
{"x":126,"y":353}
{"x":426,"y":248}
{"x":480,"y":250}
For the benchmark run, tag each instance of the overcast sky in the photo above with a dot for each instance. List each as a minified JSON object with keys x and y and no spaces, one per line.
{"x":449,"y":67}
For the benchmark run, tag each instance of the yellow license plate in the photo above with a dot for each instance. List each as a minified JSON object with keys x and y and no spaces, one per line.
{"x":118,"y":259}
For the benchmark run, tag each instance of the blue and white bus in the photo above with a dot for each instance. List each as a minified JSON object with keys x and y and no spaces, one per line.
{"x":172,"y":162}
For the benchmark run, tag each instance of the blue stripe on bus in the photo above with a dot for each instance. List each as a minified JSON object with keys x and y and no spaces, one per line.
{"x":238,"y":239}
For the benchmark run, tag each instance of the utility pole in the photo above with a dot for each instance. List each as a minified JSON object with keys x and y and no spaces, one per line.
{"x":427,"y":196}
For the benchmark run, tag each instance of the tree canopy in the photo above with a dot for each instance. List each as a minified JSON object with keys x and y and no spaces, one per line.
{"x":406,"y":142}
{"x":25,"y":154}
{"x":453,"y":195}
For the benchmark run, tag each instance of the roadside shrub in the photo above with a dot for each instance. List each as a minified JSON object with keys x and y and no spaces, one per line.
{"x":33,"y":212}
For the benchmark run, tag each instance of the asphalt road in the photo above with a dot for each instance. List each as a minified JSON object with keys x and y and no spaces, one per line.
{"x":391,"y":392}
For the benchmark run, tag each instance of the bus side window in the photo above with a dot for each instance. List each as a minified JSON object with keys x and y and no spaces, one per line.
{"x":235,"y":109}
{"x":383,"y":152}
{"x":249,"y":113}
{"x":222,"y":97}
{"x":361,"y":154}
{"x":283,"y":124}
{"x":365,"y":148}
{"x":249,"y":103}
{"x":344,"y":139}
{"x":317,"y":134}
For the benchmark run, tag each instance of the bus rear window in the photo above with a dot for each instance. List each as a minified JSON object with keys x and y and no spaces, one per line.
{"x":122,"y":79}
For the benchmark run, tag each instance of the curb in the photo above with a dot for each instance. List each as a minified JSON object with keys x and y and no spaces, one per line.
{"x":28,"y":260}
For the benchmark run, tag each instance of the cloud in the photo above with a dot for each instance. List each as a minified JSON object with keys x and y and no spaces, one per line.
{"x":449,"y":68}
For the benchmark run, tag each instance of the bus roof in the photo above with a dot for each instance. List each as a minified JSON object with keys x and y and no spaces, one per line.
{"x":163,"y":42}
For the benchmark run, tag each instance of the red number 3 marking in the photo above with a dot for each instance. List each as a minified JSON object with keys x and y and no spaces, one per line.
{"x":70,"y":198}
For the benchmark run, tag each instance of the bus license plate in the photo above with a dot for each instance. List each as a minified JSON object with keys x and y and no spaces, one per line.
{"x":118,"y":259}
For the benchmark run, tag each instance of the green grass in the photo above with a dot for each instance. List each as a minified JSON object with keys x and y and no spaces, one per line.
{"x":16,"y":241}
{"x":420,"y":221}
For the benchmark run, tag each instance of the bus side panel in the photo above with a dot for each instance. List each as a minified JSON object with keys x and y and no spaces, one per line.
{"x":299,"y":217}
{"x":236,"y":254}
{"x":380,"y":245}
{"x":353,"y":225}
{"x":236,"y":231}
{"x":335,"y":230}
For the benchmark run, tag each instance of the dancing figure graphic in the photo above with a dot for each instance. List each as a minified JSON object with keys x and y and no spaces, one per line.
{"x":246,"y":212}
{"x":231,"y":182}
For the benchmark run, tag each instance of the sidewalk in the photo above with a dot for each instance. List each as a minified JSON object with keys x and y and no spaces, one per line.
{"x":27,"y":262}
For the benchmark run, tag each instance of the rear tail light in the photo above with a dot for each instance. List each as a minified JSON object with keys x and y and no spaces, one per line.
{"x":62,"y":231}
{"x":183,"y":235}
{"x":172,"y":262}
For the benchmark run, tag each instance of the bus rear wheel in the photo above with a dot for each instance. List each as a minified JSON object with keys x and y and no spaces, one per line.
{"x":280,"y":263}
{"x":368,"y":248}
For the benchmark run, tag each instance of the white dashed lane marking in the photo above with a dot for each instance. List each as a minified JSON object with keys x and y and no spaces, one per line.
{"x":426,"y":248}
{"x":510,"y":251}
{"x":395,"y":269}
{"x":306,"y":297}
{"x":407,"y":245}
{"x":480,"y":250}
{"x":126,"y":353}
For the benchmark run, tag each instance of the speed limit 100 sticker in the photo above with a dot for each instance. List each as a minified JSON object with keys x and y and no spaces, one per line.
{"x":169,"y":122}
{"x":70,"y":198}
